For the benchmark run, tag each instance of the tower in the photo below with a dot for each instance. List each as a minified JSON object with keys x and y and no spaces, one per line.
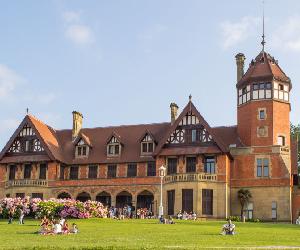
{"x":263,"y":103}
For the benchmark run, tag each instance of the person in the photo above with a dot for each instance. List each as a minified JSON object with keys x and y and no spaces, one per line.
{"x":171,"y":221}
{"x":179,"y":215}
{"x":74,"y":229}
{"x":162,"y":220}
{"x":194,"y":216}
{"x":65,"y":228}
{"x":21,"y":218}
{"x":298,"y":221}
{"x":10,"y":215}
{"x":57,"y":228}
{"x":62,"y":221}
{"x":228,"y":228}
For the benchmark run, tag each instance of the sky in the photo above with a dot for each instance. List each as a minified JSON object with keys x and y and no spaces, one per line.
{"x":123,"y":62}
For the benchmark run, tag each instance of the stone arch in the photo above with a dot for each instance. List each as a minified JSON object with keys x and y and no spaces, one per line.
{"x":64,"y":195}
{"x":123,"y":198}
{"x":83,"y":197}
{"x":104,"y":197}
{"x":145,"y":199}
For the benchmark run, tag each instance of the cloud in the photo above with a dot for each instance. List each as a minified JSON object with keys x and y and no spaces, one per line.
{"x":287,"y":36}
{"x":79,"y":34}
{"x":75,"y":30}
{"x":9,"y":80}
{"x":236,"y":32}
{"x":71,"y":16}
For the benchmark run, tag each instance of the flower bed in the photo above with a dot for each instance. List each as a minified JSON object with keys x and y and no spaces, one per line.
{"x":66,"y":208}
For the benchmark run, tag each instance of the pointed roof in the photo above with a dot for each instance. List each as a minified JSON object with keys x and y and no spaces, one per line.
{"x":84,"y":137}
{"x":45,"y":134}
{"x":264,"y":68}
{"x":191,"y":108}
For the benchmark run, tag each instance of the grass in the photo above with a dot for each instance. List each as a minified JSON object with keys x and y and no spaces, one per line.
{"x":148,"y":234}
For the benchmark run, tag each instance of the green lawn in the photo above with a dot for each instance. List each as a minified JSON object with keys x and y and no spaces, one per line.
{"x":148,"y":234}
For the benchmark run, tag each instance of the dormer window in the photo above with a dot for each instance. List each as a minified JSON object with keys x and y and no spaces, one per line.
{"x":81,"y":149}
{"x":113,"y":147}
{"x":147,"y":145}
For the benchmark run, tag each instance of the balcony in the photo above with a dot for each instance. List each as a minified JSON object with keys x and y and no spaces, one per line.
{"x":188,"y":177}
{"x":26,"y":183}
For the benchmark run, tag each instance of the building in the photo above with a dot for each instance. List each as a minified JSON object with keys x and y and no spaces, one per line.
{"x":206,"y":166}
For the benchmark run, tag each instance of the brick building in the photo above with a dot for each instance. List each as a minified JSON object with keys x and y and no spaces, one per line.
{"x":206,"y":166}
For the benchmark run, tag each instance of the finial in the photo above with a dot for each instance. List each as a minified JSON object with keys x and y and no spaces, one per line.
{"x":263,"y":42}
{"x":190,"y":97}
{"x":27,"y":111}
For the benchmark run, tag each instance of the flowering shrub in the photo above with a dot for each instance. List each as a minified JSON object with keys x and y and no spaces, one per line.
{"x":53,"y":208}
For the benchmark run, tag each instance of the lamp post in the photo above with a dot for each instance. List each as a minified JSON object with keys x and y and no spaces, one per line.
{"x":162,"y":174}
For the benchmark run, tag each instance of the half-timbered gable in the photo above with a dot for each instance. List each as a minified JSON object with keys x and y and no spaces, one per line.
{"x":114,"y":145}
{"x":82,"y":146}
{"x":147,"y":144}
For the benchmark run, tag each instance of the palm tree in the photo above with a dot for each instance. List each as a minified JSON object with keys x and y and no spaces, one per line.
{"x":244,"y":196}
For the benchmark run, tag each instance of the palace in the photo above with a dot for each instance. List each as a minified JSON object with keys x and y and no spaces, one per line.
{"x":205,"y":166}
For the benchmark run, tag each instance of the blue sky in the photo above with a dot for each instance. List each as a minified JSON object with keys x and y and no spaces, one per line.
{"x":123,"y":62}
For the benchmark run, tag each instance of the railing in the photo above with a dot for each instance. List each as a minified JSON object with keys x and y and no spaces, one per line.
{"x":190,"y":177}
{"x":26,"y":182}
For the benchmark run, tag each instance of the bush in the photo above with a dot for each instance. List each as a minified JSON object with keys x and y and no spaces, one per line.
{"x":234,"y":218}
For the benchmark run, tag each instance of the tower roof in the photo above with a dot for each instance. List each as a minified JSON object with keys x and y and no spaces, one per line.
{"x":264,"y":68}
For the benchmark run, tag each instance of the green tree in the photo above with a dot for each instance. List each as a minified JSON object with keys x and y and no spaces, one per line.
{"x":295,"y":133}
{"x":244,"y":196}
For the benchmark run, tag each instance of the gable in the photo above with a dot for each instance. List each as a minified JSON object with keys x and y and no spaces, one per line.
{"x":28,"y":139}
{"x":190,"y":129}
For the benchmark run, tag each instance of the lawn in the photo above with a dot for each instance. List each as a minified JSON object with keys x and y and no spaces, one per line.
{"x":148,"y":234}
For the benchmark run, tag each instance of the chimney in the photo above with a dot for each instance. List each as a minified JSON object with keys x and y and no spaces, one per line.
{"x":174,"y":109}
{"x":240,"y":61}
{"x":77,"y":124}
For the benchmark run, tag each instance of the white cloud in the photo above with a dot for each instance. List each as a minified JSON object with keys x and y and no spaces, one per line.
{"x":9,"y":79}
{"x":79,"y":34}
{"x":71,"y":16}
{"x":75,"y":30}
{"x":287,"y":35}
{"x":236,"y":32}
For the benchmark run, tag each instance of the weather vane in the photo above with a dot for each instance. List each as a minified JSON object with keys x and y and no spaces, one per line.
{"x":263,"y":42}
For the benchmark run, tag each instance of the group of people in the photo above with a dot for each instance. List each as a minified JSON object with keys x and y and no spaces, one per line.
{"x":129,"y":212}
{"x":186,"y":216}
{"x":11,"y":213}
{"x":163,"y":220}
{"x":52,"y":227}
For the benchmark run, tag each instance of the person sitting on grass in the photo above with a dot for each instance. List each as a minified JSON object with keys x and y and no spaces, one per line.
{"x":171,"y":221}
{"x":57,"y":228}
{"x":228,"y":228}
{"x":162,"y":220}
{"x":74,"y":229}
{"x":298,"y":221}
{"x":65,"y":228}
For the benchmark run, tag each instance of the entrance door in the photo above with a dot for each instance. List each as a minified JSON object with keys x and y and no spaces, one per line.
{"x":207,"y":201}
{"x":171,"y":201}
{"x":187,"y":200}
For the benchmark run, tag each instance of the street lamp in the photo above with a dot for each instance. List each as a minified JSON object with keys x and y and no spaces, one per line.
{"x":162,"y":174}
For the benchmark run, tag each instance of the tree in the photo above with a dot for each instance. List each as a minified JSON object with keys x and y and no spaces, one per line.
{"x":295,"y":133}
{"x":244,"y":196}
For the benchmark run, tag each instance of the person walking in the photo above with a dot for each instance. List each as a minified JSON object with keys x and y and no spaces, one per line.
{"x":21,"y":218}
{"x":10,"y":215}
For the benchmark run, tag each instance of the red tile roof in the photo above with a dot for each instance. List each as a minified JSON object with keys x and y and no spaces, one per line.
{"x":264,"y":68}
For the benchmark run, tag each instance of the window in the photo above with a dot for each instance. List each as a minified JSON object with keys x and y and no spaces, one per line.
{"x":274,"y":210}
{"x":194,"y":135}
{"x":27,"y":146}
{"x":74,"y":172}
{"x":113,"y":147}
{"x":191,"y":164}
{"x":37,"y":147}
{"x":12,"y":172}
{"x":207,"y":201}
{"x":27,"y":171}
{"x":147,"y":145}
{"x":172,"y":166}
{"x":81,"y":149}
{"x":209,"y":165}
{"x":262,"y":114}
{"x":281,"y":140}
{"x":262,"y":166}
{"x":248,"y":211}
{"x":151,"y":169}
{"x":62,"y":172}
{"x":262,"y":91}
{"x":20,"y":195}
{"x":37,"y":195}
{"x":244,"y":95}
{"x":281,"y":91}
{"x":132,"y":170}
{"x":111,"y":171}
{"x":93,"y":170}
{"x":43,"y":171}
